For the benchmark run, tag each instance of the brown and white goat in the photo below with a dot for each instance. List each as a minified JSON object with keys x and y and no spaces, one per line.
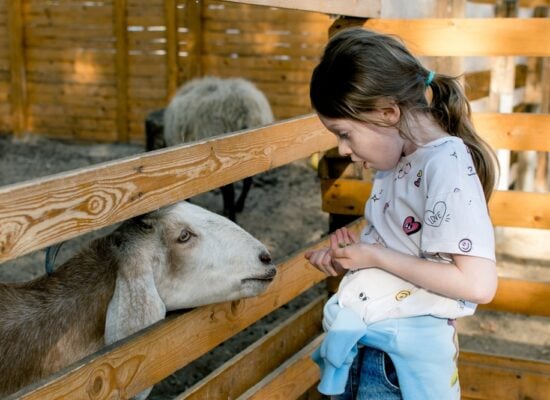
{"x":178,"y":257}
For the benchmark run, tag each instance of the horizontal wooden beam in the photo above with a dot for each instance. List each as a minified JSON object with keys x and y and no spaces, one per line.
{"x":354,"y":8}
{"x":489,"y":377}
{"x":518,"y":131}
{"x":41,"y":212}
{"x":293,"y":378}
{"x":469,"y":36}
{"x":519,"y":296}
{"x":243,"y":371}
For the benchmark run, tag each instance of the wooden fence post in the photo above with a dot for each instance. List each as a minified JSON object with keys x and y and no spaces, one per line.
{"x":18,"y":98}
{"x":121,"y":62}
{"x":170,"y":16}
{"x":501,"y":94}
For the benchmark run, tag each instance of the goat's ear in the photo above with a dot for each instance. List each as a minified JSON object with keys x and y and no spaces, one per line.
{"x":136,"y":302}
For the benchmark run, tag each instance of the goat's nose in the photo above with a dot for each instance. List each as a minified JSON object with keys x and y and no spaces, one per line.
{"x":265,"y":257}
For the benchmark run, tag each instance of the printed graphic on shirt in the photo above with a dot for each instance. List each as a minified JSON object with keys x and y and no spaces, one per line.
{"x":418,"y":178}
{"x":403,"y":171}
{"x":411,"y":226}
{"x":435,"y":216}
{"x":375,"y":197}
{"x":465,"y":245}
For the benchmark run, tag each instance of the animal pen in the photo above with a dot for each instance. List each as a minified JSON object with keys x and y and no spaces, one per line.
{"x":42,"y":212}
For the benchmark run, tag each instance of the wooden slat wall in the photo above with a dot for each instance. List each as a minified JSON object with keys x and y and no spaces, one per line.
{"x":94,"y":70}
{"x":275,"y":48}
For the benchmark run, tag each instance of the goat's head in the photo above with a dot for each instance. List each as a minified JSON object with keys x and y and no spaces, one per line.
{"x":209,"y":259}
{"x":178,"y":257}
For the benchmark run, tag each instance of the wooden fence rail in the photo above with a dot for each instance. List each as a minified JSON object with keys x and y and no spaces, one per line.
{"x":45,"y":211}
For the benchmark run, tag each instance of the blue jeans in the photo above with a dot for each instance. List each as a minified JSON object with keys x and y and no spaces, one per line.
{"x":372,"y":376}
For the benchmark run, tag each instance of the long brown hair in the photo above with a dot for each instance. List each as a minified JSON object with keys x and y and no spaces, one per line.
{"x":361,"y":71}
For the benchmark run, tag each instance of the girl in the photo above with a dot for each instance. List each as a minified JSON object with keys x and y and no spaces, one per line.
{"x":427,"y":254}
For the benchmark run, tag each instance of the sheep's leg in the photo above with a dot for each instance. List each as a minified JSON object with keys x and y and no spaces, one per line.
{"x":247,"y":183}
{"x":228,"y":194}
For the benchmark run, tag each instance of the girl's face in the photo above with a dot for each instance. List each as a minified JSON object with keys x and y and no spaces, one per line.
{"x":375,"y":146}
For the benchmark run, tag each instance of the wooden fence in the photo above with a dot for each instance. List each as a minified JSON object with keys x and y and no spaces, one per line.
{"x":41,"y":212}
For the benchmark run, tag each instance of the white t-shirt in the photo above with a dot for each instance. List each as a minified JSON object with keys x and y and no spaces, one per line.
{"x":431,"y":205}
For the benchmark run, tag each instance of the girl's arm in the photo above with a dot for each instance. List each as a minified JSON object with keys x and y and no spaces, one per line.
{"x":470,"y":278}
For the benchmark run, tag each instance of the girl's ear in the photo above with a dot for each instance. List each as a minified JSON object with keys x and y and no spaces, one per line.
{"x":390,"y":114}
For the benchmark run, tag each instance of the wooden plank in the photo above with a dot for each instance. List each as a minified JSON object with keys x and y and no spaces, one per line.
{"x":195,"y":23}
{"x":17,"y":67}
{"x":260,"y":62}
{"x":348,"y":197}
{"x":315,"y":28}
{"x":227,"y":11}
{"x":357,"y":8}
{"x":253,"y":49}
{"x":522,"y":3}
{"x":153,"y":354}
{"x":172,"y":67}
{"x":517,"y":131}
{"x":293,"y":378}
{"x":519,"y":296}
{"x":533,"y":213}
{"x":250,"y":366}
{"x":489,"y":377}
{"x":469,"y":37}
{"x":121,"y":62}
{"x":39,"y":213}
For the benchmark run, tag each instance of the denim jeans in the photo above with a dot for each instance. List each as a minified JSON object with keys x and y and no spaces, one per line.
{"x":372,"y":376}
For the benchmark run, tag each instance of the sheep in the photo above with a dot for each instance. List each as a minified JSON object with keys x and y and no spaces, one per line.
{"x":210,"y":106}
{"x":180,"y":256}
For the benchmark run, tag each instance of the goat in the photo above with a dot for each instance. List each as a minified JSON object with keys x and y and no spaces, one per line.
{"x":210,"y":106}
{"x":178,"y":257}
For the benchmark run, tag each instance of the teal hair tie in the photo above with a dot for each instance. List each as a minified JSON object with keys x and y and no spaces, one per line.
{"x":429,"y":78}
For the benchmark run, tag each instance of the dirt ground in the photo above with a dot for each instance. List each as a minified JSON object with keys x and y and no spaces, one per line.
{"x":283,"y":210}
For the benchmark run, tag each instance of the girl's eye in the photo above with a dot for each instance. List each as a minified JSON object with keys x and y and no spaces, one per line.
{"x":184,"y":236}
{"x":343,"y":135}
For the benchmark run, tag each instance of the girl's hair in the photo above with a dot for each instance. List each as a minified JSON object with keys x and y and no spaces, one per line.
{"x":361,"y":71}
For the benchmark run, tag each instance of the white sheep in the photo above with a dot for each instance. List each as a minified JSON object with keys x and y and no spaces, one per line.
{"x":178,"y":257}
{"x":210,"y":106}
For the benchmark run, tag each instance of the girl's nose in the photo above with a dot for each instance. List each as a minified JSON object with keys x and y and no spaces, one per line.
{"x":344,"y":149}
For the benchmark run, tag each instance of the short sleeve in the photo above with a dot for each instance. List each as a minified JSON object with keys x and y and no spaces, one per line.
{"x":456,"y":219}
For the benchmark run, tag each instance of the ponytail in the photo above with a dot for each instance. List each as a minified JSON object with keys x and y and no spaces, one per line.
{"x":450,"y":108}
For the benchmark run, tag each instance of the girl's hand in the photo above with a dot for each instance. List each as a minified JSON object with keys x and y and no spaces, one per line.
{"x":356,"y":256}
{"x":322,"y":258}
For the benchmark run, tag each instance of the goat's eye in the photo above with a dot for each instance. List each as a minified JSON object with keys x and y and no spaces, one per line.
{"x":184,"y":236}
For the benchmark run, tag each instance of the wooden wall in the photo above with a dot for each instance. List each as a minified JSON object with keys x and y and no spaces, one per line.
{"x":93,"y":70}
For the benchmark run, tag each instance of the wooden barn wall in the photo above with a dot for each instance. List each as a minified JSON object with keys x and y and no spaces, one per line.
{"x":94,"y":69}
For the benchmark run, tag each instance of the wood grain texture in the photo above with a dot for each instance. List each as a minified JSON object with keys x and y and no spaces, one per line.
{"x":469,"y":37}
{"x":46,"y":211}
{"x":519,"y":296}
{"x":358,"y":8}
{"x":293,"y":378}
{"x":247,"y":368}
{"x":489,"y":377}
